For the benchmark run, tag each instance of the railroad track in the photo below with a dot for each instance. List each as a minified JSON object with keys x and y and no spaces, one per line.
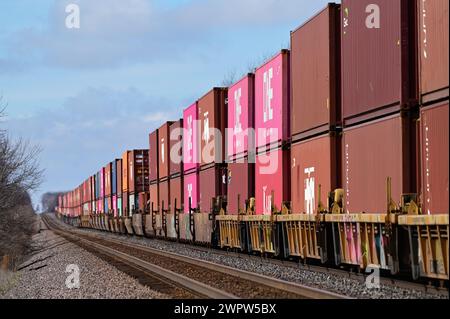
{"x":201,"y":277}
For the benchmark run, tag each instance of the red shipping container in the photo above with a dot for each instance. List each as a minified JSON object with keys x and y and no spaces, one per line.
{"x":241,"y":185}
{"x":176,"y":193}
{"x":176,"y":148}
{"x":154,"y":197}
{"x":378,"y":57}
{"x":434,"y":158}
{"x":191,"y":190}
{"x":315,"y":71}
{"x":314,"y":162}
{"x":433,"y":49}
{"x":272,"y":101}
{"x":371,"y":153}
{"x":164,"y":151}
{"x":272,"y":175}
{"x":213,"y":183}
{"x":191,"y":147}
{"x":164,"y":195}
{"x":119,"y":177}
{"x":213,"y":116}
{"x":241,"y":118}
{"x":153,"y":156}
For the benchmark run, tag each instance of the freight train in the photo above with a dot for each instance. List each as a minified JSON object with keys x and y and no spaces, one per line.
{"x":334,"y":151}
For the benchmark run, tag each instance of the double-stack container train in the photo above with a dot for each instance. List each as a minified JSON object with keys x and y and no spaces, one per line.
{"x":334,"y":151}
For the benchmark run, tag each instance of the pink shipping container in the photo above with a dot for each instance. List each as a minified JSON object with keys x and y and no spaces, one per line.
{"x":241,"y":107}
{"x":272,"y":101}
{"x":190,"y":138}
{"x":102,"y":183}
{"x":191,"y":190}
{"x":272,"y":174}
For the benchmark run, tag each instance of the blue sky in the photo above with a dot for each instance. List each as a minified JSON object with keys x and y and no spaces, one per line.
{"x":86,"y":95}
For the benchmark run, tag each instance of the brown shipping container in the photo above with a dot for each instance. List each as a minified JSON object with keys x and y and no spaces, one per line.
{"x":314,"y":162}
{"x":378,"y":60}
{"x":371,"y":153}
{"x":119,"y":177}
{"x":434,"y":158}
{"x":315,"y":68}
{"x":125,"y":207}
{"x":164,"y":150}
{"x":212,"y":184}
{"x":138,"y":175}
{"x":212,"y":114}
{"x":241,"y":185}
{"x":154,"y":196}
{"x":433,"y":48}
{"x":164,"y":195}
{"x":176,"y":166}
{"x":125,"y":172}
{"x":143,"y":198}
{"x":153,"y":158}
{"x":176,"y":193}
{"x":108,"y":179}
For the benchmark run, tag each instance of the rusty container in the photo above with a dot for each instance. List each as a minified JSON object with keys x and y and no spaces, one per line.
{"x":176,"y":194}
{"x":241,"y":185}
{"x":176,"y":148}
{"x":164,"y":151}
{"x":212,"y":115}
{"x":314,"y":162}
{"x":433,"y":49}
{"x":371,"y":153}
{"x":315,"y":71}
{"x":213,"y":183}
{"x":434,"y":123}
{"x":379,"y":74}
{"x":153,"y":158}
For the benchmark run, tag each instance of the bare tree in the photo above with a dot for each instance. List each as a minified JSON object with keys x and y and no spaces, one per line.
{"x":229,"y":78}
{"x":19,"y":168}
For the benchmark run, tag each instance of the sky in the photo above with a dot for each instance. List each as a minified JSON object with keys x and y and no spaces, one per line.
{"x":86,"y":95}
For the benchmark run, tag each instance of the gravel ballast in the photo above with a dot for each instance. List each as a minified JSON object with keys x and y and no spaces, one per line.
{"x":322,"y":280}
{"x":43,"y":275}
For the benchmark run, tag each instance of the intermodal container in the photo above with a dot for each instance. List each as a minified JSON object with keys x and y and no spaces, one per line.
{"x":176,"y":148}
{"x":272,"y":178}
{"x":372,"y":152}
{"x":241,"y":118}
{"x":114,"y":177}
{"x":132,"y":203}
{"x":176,"y":193}
{"x":164,"y":196}
{"x":191,"y":158}
{"x":164,"y":151}
{"x":154,"y":197}
{"x":120,"y":208}
{"x":125,"y":172}
{"x":108,"y":179}
{"x":102,"y":182}
{"x":191,"y":190}
{"x":213,"y":120}
{"x":433,"y":49}
{"x":272,"y":101}
{"x":378,"y":58}
{"x":115,"y":206}
{"x":125,"y":207}
{"x":119,"y":177}
{"x":213,"y":183}
{"x":154,"y":153}
{"x":315,"y":71}
{"x":241,"y":185}
{"x":143,"y":200}
{"x":314,"y":162}
{"x":434,"y":158}
{"x":138,"y":171}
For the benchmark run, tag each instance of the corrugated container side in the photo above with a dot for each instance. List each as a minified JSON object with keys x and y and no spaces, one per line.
{"x":119,"y":177}
{"x":213,"y":116}
{"x":176,"y":147}
{"x":108,"y":177}
{"x":125,"y":172}
{"x":272,"y":122}
{"x":434,"y":147}
{"x":154,"y":197}
{"x":241,"y":185}
{"x":433,"y":49}
{"x":371,"y":153}
{"x":315,"y":71}
{"x":125,"y":206}
{"x":143,"y":199}
{"x":213,"y":183}
{"x":378,"y":59}
{"x":191,"y":147}
{"x":164,"y":195}
{"x":102,"y":182}
{"x":114,"y":177}
{"x":115,"y":206}
{"x":131,"y":172}
{"x":153,"y":158}
{"x":176,"y":193}
{"x":314,"y":162}
{"x":191,"y":190}
{"x":164,"y":150}
{"x":241,"y":108}
{"x":272,"y":176}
